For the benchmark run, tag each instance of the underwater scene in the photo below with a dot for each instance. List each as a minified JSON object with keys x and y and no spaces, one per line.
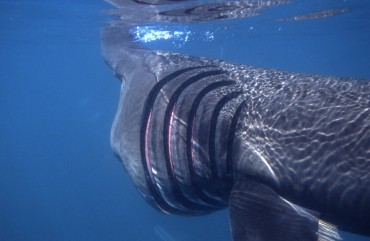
{"x":85,"y":83}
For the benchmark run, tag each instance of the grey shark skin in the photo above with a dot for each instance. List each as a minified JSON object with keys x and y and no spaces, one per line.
{"x":288,"y":153}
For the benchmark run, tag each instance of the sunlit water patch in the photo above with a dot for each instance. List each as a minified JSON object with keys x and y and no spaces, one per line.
{"x":302,"y":36}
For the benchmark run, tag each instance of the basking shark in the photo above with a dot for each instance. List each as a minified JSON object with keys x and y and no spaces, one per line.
{"x":287,"y":153}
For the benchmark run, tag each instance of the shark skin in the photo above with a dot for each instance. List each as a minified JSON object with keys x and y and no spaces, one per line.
{"x":287,"y":153}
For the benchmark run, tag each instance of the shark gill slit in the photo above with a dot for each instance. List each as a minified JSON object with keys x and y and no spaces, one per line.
{"x":213,"y":159}
{"x":145,"y":123}
{"x":230,"y":140}
{"x":190,"y":139}
{"x":176,"y":189}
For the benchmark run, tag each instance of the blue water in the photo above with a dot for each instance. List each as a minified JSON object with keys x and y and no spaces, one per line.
{"x":58,"y":177}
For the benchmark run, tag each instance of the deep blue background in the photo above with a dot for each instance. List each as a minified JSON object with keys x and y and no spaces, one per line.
{"x":58,"y":177}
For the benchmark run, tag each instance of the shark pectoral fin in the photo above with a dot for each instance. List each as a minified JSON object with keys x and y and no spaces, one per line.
{"x":258,"y":213}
